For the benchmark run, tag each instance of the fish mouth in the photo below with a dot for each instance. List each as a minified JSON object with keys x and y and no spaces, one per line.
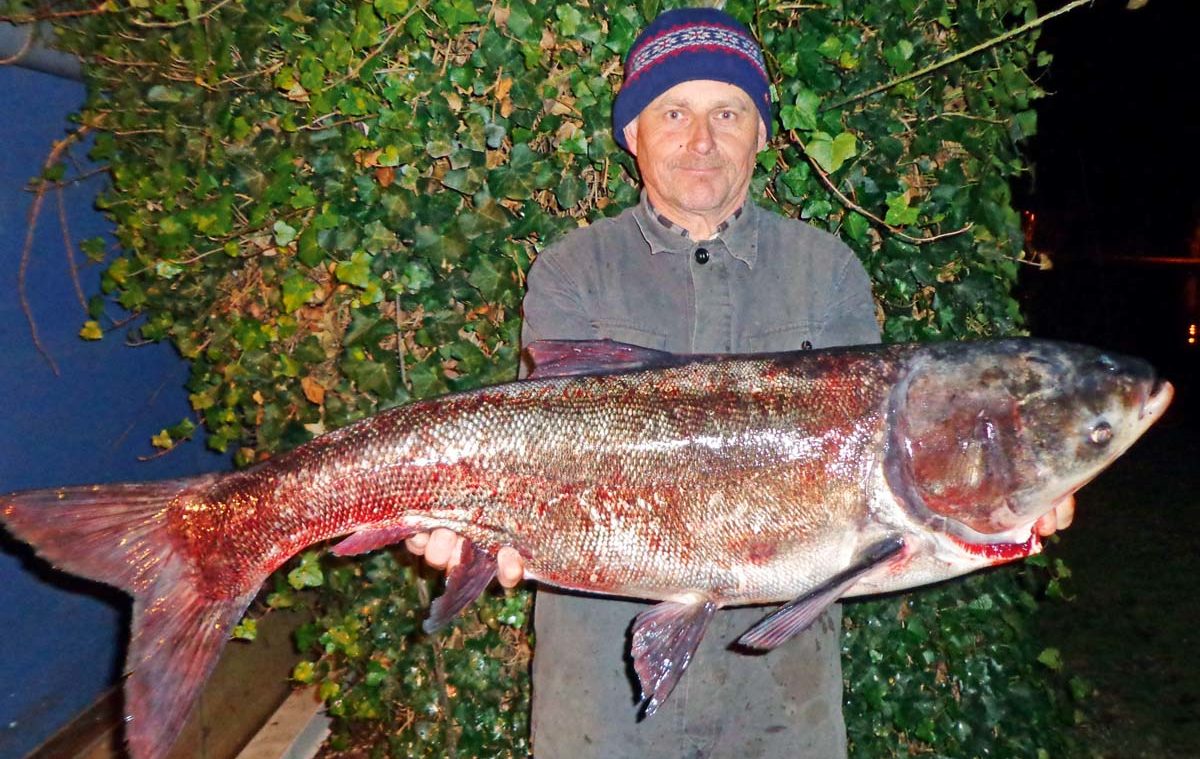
{"x":1156,"y":401}
{"x":1002,"y":552}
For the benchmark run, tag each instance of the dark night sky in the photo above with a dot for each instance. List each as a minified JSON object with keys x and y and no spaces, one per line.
{"x":1118,"y":153}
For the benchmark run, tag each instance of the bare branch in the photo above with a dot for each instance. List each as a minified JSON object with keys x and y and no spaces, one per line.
{"x":31,"y":218}
{"x":959,"y":56}
{"x":856,"y":207}
{"x":181,"y":22}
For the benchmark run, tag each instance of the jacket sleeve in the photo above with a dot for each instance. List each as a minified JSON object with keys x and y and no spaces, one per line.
{"x":553,"y":308}
{"x":850,"y":318}
{"x":555,"y":305}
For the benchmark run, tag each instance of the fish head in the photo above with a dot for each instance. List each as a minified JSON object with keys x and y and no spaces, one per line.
{"x":987,"y":437}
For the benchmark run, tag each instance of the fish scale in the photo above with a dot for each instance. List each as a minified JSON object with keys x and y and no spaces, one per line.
{"x":698,"y":482}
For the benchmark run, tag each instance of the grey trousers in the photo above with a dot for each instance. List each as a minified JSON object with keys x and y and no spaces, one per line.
{"x":786,"y":703}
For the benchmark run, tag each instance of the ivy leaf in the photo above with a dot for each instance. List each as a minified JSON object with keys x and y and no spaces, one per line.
{"x":356,"y":271}
{"x":426,"y":381}
{"x":520,"y":22}
{"x":571,"y":190}
{"x":466,"y":181}
{"x":247,"y":629}
{"x":417,"y":276}
{"x":856,"y":226}
{"x":494,"y":135}
{"x":1052,"y":658}
{"x":796,"y":179}
{"x":304,"y":671}
{"x":621,"y":34}
{"x":845,"y":147}
{"x":818,"y":209}
{"x":94,"y":248}
{"x":831,"y":152}
{"x":831,"y":47}
{"x":372,"y":376}
{"x":303,"y":197}
{"x":899,"y":56}
{"x":1024,"y":125}
{"x":297,"y":289}
{"x":378,"y":237}
{"x":163,"y":95}
{"x":308,"y":573}
{"x":308,"y":250}
{"x":488,"y":277}
{"x":439,"y":148}
{"x":91,"y":331}
{"x":284,"y":233}
{"x":569,"y":19}
{"x":455,"y":13}
{"x":389,"y":8}
{"x":899,"y":213}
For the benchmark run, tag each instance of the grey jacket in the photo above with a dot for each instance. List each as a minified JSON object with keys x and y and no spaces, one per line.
{"x":768,"y":284}
{"x":764,"y":283}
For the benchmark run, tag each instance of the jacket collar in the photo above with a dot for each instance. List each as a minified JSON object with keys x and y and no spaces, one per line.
{"x":739,"y":232}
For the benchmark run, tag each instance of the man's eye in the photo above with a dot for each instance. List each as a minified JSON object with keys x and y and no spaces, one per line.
{"x":674,"y":115}
{"x":727,"y":115}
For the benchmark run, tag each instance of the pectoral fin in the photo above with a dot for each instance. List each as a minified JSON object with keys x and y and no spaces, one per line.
{"x":664,"y":639}
{"x":795,"y":617}
{"x":373,"y":539}
{"x":464,"y":583}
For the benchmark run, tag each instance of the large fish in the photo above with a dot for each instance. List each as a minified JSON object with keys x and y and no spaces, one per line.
{"x":699,"y":482}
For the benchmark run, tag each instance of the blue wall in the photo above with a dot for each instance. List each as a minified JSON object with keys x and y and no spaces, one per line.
{"x":62,"y":639}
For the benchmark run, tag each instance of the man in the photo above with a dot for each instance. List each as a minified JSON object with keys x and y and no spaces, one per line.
{"x":694,"y":268}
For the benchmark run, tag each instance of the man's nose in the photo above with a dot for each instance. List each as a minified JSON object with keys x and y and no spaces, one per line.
{"x":700,"y":139}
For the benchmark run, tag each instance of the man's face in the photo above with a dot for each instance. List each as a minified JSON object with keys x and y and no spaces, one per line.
{"x":695,"y":146}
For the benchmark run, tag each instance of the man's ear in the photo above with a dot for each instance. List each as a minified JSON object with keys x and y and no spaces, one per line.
{"x":762,"y":135}
{"x":630,"y":132}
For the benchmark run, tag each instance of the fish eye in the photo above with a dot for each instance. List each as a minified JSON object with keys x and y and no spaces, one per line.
{"x":1101,"y":434}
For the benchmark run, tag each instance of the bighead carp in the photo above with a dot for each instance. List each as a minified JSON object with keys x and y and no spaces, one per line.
{"x":699,"y":482}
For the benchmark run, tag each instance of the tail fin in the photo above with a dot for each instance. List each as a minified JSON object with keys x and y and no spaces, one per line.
{"x":118,"y":534}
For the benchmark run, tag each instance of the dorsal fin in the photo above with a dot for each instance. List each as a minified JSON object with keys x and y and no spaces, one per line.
{"x":568,"y":358}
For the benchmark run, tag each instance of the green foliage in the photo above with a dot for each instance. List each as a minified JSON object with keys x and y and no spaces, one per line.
{"x":329,"y":208}
{"x":958,"y":672}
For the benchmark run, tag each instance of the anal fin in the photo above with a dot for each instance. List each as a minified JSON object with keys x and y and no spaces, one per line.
{"x":464,"y":583}
{"x":795,"y":617}
{"x":665,"y":638}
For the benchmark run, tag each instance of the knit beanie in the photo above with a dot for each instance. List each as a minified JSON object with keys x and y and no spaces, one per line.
{"x":684,"y":45}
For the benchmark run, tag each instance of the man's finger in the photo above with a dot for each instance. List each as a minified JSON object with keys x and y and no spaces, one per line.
{"x":1047,"y":524}
{"x":510,"y":567}
{"x":1058,"y":518}
{"x":417,"y":543}
{"x":1064,"y":513}
{"x":442,"y":549}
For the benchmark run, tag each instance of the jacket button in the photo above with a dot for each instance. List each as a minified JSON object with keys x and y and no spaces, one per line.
{"x":701,"y":255}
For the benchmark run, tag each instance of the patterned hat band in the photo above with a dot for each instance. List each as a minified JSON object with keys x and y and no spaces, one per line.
{"x":686,"y":45}
{"x":697,"y":39}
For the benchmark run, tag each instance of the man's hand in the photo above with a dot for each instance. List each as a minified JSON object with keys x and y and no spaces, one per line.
{"x":1058,"y":518}
{"x":442,"y":549}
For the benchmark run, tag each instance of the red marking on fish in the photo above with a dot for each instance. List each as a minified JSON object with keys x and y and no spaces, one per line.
{"x":1001,"y":553}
